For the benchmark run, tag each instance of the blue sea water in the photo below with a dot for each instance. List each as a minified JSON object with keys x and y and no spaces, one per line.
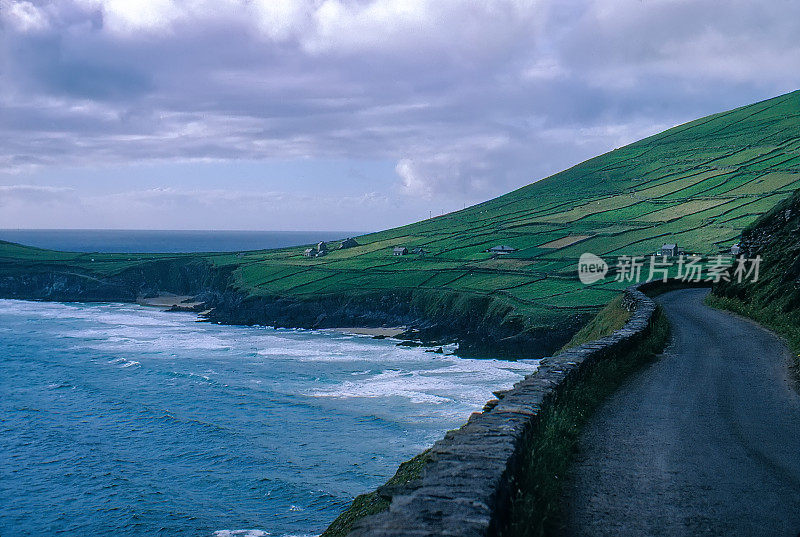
{"x":138,"y":241}
{"x":121,"y":420}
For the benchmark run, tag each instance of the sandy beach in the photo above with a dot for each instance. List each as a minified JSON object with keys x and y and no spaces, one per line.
{"x":168,"y":301}
{"x":391,"y":331}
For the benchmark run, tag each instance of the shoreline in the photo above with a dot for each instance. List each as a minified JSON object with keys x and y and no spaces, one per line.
{"x":168,"y":300}
{"x":390,"y":332}
{"x":481,"y":328}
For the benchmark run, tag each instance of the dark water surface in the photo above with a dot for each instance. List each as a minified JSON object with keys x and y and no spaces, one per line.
{"x":140,"y":241}
{"x":121,"y":420}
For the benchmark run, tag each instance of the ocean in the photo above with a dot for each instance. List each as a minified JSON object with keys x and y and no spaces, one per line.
{"x":138,"y":241}
{"x":116,"y":419}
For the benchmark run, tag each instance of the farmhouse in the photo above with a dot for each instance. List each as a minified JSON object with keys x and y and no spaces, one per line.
{"x":419,"y":251}
{"x":670,"y":250}
{"x":400,"y":250}
{"x":501,"y":249}
{"x":348,"y":243}
{"x":319,"y":251}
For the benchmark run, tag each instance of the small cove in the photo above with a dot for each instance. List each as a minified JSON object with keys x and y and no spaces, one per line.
{"x":125,"y":420}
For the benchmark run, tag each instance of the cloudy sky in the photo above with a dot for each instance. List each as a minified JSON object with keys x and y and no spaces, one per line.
{"x":349,"y":114}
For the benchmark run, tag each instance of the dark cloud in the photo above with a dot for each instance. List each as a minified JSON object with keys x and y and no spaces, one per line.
{"x":47,"y":65}
{"x":469,"y":99}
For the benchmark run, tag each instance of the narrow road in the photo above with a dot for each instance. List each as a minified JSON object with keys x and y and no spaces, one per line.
{"x":706,"y":441}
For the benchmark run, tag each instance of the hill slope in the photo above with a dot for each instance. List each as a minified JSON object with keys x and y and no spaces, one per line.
{"x":773,"y":300}
{"x":697,"y":184}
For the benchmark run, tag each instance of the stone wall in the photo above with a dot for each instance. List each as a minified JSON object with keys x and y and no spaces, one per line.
{"x":465,"y":489}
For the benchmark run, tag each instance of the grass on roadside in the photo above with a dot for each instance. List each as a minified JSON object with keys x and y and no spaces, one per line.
{"x":610,"y":318}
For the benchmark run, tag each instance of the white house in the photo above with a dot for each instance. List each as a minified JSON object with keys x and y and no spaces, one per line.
{"x":501,"y":249}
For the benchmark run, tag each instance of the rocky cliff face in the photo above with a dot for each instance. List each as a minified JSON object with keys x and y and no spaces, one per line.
{"x":776,"y":238}
{"x":479,"y":326}
{"x":230,"y":306}
{"x":482,"y":326}
{"x":58,"y":283}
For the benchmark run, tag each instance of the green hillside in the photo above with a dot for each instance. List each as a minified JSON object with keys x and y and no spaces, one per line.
{"x":774,"y":299}
{"x":698,"y":185}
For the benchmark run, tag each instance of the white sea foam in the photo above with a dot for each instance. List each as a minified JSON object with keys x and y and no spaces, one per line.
{"x":398,"y":398}
{"x":289,"y":352}
{"x":327,"y":349}
{"x":153,"y":340}
{"x":392,"y":383}
{"x":458,"y":381}
{"x":106,"y":314}
{"x":124,"y":362}
{"x":241,"y":533}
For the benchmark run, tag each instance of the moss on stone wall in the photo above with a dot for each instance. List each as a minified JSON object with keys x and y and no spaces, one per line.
{"x":377,"y":500}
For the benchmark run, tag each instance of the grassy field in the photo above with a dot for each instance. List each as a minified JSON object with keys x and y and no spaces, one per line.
{"x":698,"y":185}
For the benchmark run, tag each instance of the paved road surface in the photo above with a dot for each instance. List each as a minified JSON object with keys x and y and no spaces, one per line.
{"x":706,"y":441}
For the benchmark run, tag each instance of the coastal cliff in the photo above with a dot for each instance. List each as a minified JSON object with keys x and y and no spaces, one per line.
{"x":71,"y":284}
{"x":480,"y":325}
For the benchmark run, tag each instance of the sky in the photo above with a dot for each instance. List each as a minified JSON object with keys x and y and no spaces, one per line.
{"x":349,"y":114}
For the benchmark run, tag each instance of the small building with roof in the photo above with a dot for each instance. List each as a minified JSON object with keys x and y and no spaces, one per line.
{"x":320,"y":250}
{"x":501,"y":249}
{"x":670,"y":250}
{"x":349,"y":242}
